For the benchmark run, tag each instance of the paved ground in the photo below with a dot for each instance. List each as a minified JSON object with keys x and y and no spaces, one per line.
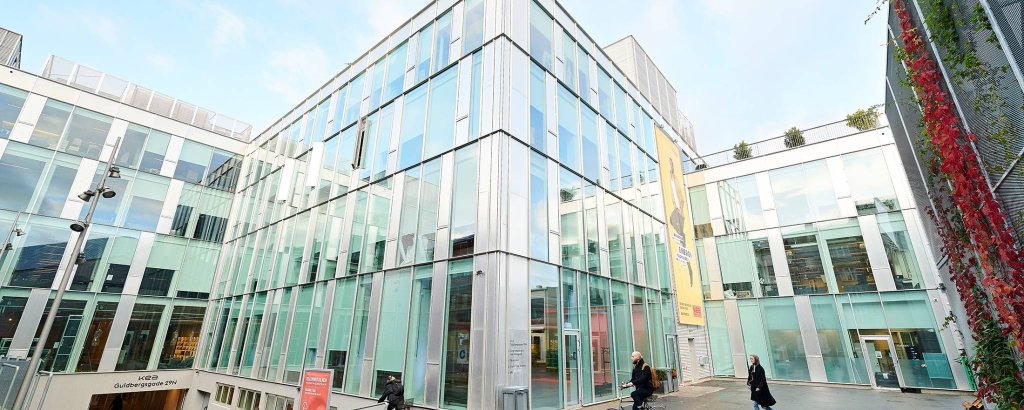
{"x":730,"y":394}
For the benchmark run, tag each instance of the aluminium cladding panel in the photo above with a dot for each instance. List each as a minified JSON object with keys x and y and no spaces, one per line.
{"x":518,"y":205}
{"x":809,"y":336}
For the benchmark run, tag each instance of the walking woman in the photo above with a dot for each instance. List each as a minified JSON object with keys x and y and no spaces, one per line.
{"x":758,"y":383}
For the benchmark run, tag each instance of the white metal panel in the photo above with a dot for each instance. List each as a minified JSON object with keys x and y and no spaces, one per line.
{"x":519,"y":73}
{"x":170,"y":206}
{"x":732,"y":318}
{"x":117,"y":130}
{"x":518,"y":199}
{"x":778,"y":251}
{"x":809,"y":335}
{"x":115,"y":337}
{"x":714,"y":271}
{"x":171,"y":158}
{"x":876,"y":253}
{"x":315,"y":165}
{"x":143,"y":248}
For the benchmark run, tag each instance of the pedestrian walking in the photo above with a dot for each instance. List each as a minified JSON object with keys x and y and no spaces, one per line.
{"x":758,"y":383}
{"x":394,"y":393}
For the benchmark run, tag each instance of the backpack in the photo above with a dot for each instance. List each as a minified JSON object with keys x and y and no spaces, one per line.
{"x":655,"y":382}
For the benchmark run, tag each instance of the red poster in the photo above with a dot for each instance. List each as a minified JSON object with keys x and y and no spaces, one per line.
{"x":316,"y":389}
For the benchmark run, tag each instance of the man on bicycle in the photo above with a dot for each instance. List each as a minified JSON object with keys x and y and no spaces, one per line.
{"x":641,"y":380}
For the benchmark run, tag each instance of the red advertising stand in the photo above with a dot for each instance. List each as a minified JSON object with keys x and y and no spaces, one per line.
{"x":316,"y":389}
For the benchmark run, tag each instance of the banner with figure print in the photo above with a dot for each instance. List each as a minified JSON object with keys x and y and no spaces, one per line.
{"x":689,"y":298}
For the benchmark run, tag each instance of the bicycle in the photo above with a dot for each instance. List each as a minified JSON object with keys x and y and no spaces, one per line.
{"x":624,"y":405}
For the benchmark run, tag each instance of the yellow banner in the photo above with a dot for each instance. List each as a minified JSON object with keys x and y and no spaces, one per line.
{"x":681,"y":249}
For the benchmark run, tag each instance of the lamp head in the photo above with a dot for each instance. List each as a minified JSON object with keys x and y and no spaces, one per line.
{"x":19,"y":232}
{"x":87,"y":195}
{"x":108,"y":192}
{"x":8,"y":246}
{"x":79,"y":226}
{"x":115,"y":172}
{"x":80,"y":259}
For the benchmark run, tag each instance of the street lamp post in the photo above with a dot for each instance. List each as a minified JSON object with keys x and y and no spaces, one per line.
{"x":15,"y":231}
{"x":82,"y":227}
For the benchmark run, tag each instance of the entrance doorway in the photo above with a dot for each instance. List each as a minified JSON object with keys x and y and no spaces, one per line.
{"x":145,"y":400}
{"x":882,"y":363}
{"x":572,"y":368}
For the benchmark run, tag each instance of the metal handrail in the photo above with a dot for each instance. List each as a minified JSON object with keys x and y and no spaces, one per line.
{"x":821,"y":133}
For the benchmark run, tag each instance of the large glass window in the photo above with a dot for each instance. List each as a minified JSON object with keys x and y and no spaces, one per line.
{"x":425,"y":46}
{"x":156,"y":149}
{"x":50,"y":125}
{"x":473,"y":33}
{"x":96,"y":336}
{"x":11,"y":309}
{"x":139,"y":337}
{"x":804,"y":260}
{"x":361,"y":316}
{"x":252,"y":326}
{"x":192,"y":162}
{"x":134,"y":141}
{"x":622,"y":329}
{"x":430,"y":194}
{"x":538,"y":207}
{"x":540,"y":36}
{"x":583,"y":69}
{"x":601,"y":339}
{"x":298,"y":333}
{"x":355,"y":98}
{"x":464,"y":206}
{"x":22,"y":168}
{"x":569,"y":58}
{"x":604,"y":93}
{"x":545,"y":377}
{"x":734,"y":258}
{"x":568,"y":129}
{"x":455,"y":374}
{"x":538,"y":103}
{"x":419,"y":324}
{"x":376,"y":227}
{"x":182,"y":338}
{"x":616,"y":238}
{"x":391,"y":334}
{"x":718,"y":334}
{"x":611,"y":158}
{"x":765,"y":266}
{"x":58,"y":185}
{"x":570,"y":210}
{"x":396,"y":72}
{"x":621,"y":110}
{"x":787,"y":347}
{"x":441,"y":118}
{"x":40,"y":252}
{"x":66,"y":325}
{"x":835,"y":347}
{"x":340,"y":330}
{"x":410,"y":149}
{"x":754,"y":339}
{"x":591,"y":155}
{"x":917,"y":342}
{"x":870,"y":184}
{"x":376,"y":82}
{"x":900,"y":251}
{"x":741,"y":204}
{"x":11,"y":101}
{"x":408,"y":217}
{"x":847,"y":255}
{"x":146,"y":203}
{"x":86,"y":134}
{"x":804,"y":193}
{"x":443,"y":41}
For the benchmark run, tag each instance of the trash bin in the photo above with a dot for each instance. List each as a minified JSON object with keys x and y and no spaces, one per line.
{"x":515,"y":398}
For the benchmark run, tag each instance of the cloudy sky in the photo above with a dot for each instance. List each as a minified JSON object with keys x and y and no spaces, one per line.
{"x":744,"y":69}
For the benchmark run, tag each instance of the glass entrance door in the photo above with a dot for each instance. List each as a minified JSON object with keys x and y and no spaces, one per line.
{"x":882,"y":364}
{"x":572,"y":368}
{"x":672,"y":353}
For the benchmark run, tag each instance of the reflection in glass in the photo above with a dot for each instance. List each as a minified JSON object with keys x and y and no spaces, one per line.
{"x":538,"y":110}
{"x":50,"y":125}
{"x":899,"y":251}
{"x":804,"y":260}
{"x":540,"y":36}
{"x":848,"y":256}
{"x":870,"y":185}
{"x":139,"y":337}
{"x":11,"y":101}
{"x":803,"y":193}
{"x":392,"y":332}
{"x":741,"y":204}
{"x":600,"y":339}
{"x":538,"y":207}
{"x":545,"y":385}
{"x":419,"y":324}
{"x":86,"y":134}
{"x":787,"y":347}
{"x":455,"y":373}
{"x":464,"y":202}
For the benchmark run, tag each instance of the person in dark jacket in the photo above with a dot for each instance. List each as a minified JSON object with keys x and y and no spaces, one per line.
{"x":758,"y":383}
{"x":394,"y":392}
{"x":641,"y":380}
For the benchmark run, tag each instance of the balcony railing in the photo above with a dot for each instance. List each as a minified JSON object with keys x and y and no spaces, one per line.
{"x":812,"y":135}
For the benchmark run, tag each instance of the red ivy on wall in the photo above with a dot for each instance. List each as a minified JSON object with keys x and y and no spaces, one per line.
{"x":995,"y":252}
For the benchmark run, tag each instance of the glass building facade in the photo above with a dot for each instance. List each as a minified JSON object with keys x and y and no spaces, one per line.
{"x":474,"y":204}
{"x":138,"y":292}
{"x":815,"y":259}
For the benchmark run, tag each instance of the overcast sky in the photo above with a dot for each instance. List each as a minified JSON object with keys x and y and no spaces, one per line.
{"x":744,"y":69}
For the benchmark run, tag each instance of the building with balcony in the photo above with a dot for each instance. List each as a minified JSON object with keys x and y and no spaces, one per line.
{"x":816,"y":259}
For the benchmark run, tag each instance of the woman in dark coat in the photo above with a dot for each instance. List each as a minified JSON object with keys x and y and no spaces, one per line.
{"x":394,"y":392}
{"x":758,"y":383}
